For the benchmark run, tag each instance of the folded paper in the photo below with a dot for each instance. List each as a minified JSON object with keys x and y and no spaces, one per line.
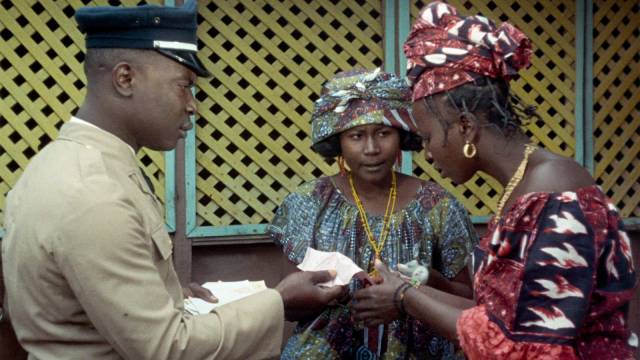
{"x":315,"y":260}
{"x":226,"y":292}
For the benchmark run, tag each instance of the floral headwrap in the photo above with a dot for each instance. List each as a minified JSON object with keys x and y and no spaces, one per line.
{"x":445,"y":50}
{"x":361,"y":97}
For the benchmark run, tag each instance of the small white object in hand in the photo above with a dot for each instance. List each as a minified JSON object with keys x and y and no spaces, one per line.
{"x":419,"y":274}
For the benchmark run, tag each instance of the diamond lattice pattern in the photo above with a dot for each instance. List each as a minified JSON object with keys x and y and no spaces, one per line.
{"x":269,"y":60}
{"x":42,"y":83}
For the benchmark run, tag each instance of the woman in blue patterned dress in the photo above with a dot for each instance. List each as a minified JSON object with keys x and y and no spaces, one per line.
{"x":370,"y":211}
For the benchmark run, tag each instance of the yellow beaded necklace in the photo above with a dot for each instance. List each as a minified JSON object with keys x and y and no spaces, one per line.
{"x":515,"y":179}
{"x":386,"y":223}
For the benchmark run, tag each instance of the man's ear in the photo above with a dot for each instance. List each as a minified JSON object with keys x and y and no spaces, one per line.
{"x":122,"y":77}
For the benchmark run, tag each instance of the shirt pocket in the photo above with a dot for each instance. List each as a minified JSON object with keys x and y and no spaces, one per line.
{"x":162,"y":242}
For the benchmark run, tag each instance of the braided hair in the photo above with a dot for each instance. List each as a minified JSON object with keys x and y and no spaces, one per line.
{"x":492,"y":98}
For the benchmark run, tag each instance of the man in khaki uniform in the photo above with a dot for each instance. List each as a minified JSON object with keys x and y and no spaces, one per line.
{"x":87,"y":260}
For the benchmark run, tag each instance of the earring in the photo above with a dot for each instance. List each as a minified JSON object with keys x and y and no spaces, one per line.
{"x":469,"y":150}
{"x":399,"y":160}
{"x":343,"y":171}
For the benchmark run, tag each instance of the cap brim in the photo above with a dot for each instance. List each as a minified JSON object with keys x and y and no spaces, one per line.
{"x":188,"y":59}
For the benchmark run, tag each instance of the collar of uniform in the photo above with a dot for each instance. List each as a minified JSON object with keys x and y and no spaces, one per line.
{"x":93,"y":137}
{"x":110,"y":146}
{"x":80,"y":121}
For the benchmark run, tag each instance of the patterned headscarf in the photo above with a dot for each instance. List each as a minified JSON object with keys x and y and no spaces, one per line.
{"x":361,"y":97}
{"x":445,"y":50}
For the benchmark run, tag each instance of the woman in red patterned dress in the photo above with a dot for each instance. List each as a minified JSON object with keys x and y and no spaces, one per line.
{"x":554,"y":274}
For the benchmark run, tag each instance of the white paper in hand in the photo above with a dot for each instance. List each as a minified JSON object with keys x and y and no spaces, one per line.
{"x":315,"y":260}
{"x":226,"y":292}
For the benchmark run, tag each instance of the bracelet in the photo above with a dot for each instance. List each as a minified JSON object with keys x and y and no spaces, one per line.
{"x":398,"y":298}
{"x":402,"y":296}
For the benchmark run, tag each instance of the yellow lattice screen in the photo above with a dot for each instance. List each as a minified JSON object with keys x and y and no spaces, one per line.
{"x":616,"y":101}
{"x":548,"y":84}
{"x":269,"y":60}
{"x":42,"y":83}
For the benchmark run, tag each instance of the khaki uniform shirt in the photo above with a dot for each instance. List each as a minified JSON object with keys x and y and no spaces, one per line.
{"x":88,"y":269}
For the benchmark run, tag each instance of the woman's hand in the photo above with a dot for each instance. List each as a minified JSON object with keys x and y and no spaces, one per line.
{"x":376,"y":304}
{"x":195,"y":290}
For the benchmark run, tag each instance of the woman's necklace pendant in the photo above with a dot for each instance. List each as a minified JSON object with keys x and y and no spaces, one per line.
{"x":373,"y":274}
{"x":376,"y":246}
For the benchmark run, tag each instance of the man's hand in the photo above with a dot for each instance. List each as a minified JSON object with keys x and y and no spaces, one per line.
{"x":375,"y":304}
{"x":302,"y":296}
{"x":195,"y":290}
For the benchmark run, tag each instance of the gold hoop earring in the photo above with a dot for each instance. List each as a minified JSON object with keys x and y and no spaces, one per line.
{"x":469,"y":150}
{"x":343,"y":170}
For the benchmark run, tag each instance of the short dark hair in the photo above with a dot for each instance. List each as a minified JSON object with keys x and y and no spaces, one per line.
{"x":105,"y":58}
{"x":330,"y":147}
